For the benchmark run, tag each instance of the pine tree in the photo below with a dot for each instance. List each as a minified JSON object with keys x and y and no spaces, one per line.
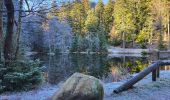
{"x":78,"y":18}
{"x":159,"y":20}
{"x":86,"y":8}
{"x":54,"y":9}
{"x":86,"y":5}
{"x":97,"y":36}
{"x":63,"y":12}
{"x":99,"y":9}
{"x":123,"y":20}
{"x":91,"y":21}
{"x":132,"y":20}
{"x":140,"y":10}
{"x":108,"y":16}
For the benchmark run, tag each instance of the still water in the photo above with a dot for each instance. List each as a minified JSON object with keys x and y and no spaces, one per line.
{"x":109,"y":69}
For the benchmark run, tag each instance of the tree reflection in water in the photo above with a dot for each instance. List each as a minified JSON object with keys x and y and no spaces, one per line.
{"x":61,"y":66}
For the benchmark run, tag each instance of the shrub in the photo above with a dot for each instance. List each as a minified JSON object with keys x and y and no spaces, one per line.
{"x":20,"y":75}
{"x":143,"y":45}
{"x":144,"y":53}
{"x":116,"y":42}
{"x":163,"y":47}
{"x":91,"y":42}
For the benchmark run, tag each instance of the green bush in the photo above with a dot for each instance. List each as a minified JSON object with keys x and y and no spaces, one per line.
{"x":20,"y":76}
{"x":163,"y":47}
{"x":90,"y":42}
{"x":116,"y":42}
{"x":144,"y":53}
{"x":143,"y":45}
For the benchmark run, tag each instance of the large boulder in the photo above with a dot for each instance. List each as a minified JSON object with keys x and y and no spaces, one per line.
{"x":80,"y":87}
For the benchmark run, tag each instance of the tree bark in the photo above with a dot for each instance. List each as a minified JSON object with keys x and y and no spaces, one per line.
{"x":168,"y":32}
{"x":19,"y":29}
{"x":1,"y":28}
{"x":9,"y":31}
{"x":160,"y":40}
{"x":124,"y":40}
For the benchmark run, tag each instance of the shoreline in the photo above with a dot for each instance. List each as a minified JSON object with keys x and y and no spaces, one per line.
{"x":145,"y":86}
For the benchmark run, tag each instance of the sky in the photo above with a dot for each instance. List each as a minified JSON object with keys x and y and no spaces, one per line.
{"x":105,"y":1}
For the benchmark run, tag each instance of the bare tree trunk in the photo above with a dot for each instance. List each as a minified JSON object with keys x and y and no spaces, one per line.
{"x":19,"y":29}
{"x":9,"y":31}
{"x":123,"y":39}
{"x":168,"y":32}
{"x":123,"y":34}
{"x":133,"y":41}
{"x":160,"y":41}
{"x":1,"y":28}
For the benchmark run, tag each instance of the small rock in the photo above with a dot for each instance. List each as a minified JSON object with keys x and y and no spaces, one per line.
{"x":80,"y":87}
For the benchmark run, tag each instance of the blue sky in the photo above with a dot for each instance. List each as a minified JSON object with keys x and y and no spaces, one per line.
{"x":105,"y":1}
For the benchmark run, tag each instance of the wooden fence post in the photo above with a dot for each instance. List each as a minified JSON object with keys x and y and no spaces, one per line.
{"x":154,"y":75}
{"x":158,"y":55}
{"x":151,"y":68}
{"x":158,"y":72}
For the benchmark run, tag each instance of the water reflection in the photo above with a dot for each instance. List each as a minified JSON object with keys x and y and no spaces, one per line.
{"x":166,"y":67}
{"x":60,"y":67}
{"x":121,"y":67}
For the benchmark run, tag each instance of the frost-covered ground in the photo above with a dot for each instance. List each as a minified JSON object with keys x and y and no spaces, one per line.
{"x":42,"y":93}
{"x":117,"y":50}
{"x":144,"y":90}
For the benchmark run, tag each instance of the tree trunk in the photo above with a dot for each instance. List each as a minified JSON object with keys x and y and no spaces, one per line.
{"x":160,"y":40}
{"x":9,"y":31}
{"x":19,"y":29}
{"x":150,"y":40}
{"x":1,"y":28}
{"x":168,"y":32}
{"x":124,"y":40}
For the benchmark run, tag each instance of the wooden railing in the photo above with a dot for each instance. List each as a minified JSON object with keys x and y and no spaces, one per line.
{"x":154,"y":68}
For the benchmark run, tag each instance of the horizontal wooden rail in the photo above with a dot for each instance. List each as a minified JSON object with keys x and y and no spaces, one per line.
{"x":154,"y":68}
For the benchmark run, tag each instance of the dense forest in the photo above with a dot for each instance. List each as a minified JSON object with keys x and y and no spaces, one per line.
{"x":74,"y":26}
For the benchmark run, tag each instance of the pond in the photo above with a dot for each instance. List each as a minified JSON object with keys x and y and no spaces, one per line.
{"x":55,"y":69}
{"x":107,"y":68}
